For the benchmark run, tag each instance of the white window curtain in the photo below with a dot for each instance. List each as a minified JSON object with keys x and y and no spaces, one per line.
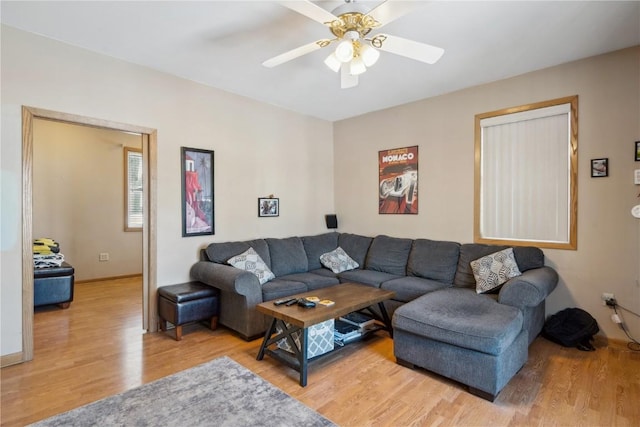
{"x":525,"y":175}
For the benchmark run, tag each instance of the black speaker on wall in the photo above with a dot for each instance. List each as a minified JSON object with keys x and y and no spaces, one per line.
{"x":332,"y":221}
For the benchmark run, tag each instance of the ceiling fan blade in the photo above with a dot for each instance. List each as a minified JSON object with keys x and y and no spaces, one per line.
{"x":295,"y":53}
{"x":389,"y":10}
{"x":310,"y":10}
{"x":347,"y":80}
{"x":409,"y":48}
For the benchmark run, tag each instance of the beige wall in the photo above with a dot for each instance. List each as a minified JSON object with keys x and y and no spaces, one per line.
{"x":78,"y":197}
{"x":259,"y":150}
{"x":608,"y":255}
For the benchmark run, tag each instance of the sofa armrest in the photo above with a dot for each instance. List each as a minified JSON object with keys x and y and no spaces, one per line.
{"x":227,"y":278}
{"x":530,"y":288}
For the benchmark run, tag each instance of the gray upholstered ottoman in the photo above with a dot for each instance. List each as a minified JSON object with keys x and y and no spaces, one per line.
{"x":53,"y":285}
{"x":186,"y":303}
{"x":467,"y":337}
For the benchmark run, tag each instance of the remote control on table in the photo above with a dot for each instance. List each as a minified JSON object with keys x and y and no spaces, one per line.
{"x":283,"y":301}
{"x":290,"y":303}
{"x":303,"y":302}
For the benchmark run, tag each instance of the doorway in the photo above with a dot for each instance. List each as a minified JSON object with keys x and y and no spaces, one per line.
{"x":149,"y":151}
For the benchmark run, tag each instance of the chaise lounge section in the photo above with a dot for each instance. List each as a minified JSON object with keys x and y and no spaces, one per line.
{"x":479,"y":340}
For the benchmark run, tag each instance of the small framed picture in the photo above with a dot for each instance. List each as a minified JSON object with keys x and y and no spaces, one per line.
{"x":599,"y":168}
{"x":268,"y":206}
{"x":637,"y":151}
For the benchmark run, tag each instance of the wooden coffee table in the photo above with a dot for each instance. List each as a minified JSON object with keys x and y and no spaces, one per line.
{"x":348,"y":297}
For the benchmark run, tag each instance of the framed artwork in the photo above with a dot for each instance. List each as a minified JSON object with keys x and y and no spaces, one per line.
{"x":268,"y":206}
{"x":637,"y":151}
{"x":398,"y":181}
{"x":599,"y":168}
{"x":197,"y":192}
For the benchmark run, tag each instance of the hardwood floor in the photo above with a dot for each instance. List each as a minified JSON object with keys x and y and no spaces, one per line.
{"x":96,"y":349}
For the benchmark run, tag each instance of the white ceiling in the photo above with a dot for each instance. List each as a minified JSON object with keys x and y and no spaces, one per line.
{"x":223,"y":44}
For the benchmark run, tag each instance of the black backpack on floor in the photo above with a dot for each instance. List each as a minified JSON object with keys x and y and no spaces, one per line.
{"x":571,"y":327}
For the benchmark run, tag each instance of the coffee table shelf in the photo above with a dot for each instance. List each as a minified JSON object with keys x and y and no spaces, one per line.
{"x":348,"y":297}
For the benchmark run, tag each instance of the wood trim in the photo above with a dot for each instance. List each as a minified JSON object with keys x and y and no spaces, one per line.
{"x":572,"y":244}
{"x":149,"y":244}
{"x":87,"y":121}
{"x":150,"y":283}
{"x":27,"y":234}
{"x":102,"y":279}
{"x":11,"y":359}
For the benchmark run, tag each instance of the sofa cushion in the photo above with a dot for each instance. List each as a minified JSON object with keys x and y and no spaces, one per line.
{"x":338,"y":261}
{"x":389,"y":255}
{"x":314,"y":246}
{"x":324,"y":272}
{"x":355,"y":245}
{"x":527,"y":258}
{"x":411,"y":287}
{"x":221,"y":252}
{"x":491,"y":271}
{"x":366,"y":277}
{"x":431,"y":259}
{"x":250,"y":261}
{"x":287,"y":256}
{"x":311,"y":280}
{"x":462,"y":318}
{"x":278,"y":288}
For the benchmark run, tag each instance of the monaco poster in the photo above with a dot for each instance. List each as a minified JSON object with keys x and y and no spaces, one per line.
{"x":398,"y":181}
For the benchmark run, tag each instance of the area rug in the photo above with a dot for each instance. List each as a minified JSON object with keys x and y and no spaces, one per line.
{"x":217,"y":393}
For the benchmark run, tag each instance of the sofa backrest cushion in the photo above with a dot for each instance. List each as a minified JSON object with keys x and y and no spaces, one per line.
{"x":435,"y":260}
{"x":527,"y":258}
{"x":287,"y":256}
{"x":221,"y":252}
{"x":389,"y":255}
{"x":315,"y":246}
{"x":355,"y":246}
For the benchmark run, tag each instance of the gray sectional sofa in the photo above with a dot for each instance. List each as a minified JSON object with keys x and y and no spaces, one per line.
{"x":440,"y":322}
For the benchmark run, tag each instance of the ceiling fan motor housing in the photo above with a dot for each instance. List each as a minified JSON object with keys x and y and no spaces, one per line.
{"x":352,"y":21}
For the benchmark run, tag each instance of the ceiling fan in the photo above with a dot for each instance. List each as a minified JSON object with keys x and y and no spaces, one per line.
{"x":356,"y":50}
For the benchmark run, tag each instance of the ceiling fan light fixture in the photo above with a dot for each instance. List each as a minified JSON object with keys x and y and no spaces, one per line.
{"x":344,"y":51}
{"x":369,"y":54}
{"x":357,"y":66}
{"x":333,"y":63}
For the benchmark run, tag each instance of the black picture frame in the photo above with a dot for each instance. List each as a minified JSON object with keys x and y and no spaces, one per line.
{"x":268,"y":206}
{"x":637,"y":151}
{"x":197,"y":189}
{"x":599,"y":168}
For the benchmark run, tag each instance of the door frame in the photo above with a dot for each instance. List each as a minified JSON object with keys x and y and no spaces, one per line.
{"x":149,"y":238}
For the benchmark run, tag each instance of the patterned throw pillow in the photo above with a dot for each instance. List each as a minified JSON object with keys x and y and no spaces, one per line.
{"x":493,"y":270}
{"x":250,"y":261}
{"x":338,"y":261}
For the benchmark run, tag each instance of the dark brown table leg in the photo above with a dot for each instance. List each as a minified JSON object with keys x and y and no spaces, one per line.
{"x":385,"y":318}
{"x":304,"y":361}
{"x":266,"y":339}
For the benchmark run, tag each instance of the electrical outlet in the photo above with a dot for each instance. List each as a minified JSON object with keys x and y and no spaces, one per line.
{"x":104,"y":256}
{"x":607,"y":297}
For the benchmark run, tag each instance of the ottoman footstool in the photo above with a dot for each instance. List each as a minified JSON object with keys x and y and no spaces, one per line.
{"x":185,"y":303}
{"x":467,"y":337}
{"x":53,"y":285}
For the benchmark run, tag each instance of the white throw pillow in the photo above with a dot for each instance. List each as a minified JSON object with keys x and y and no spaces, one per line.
{"x":250,"y":261}
{"x":493,"y":270}
{"x":338,"y":261}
